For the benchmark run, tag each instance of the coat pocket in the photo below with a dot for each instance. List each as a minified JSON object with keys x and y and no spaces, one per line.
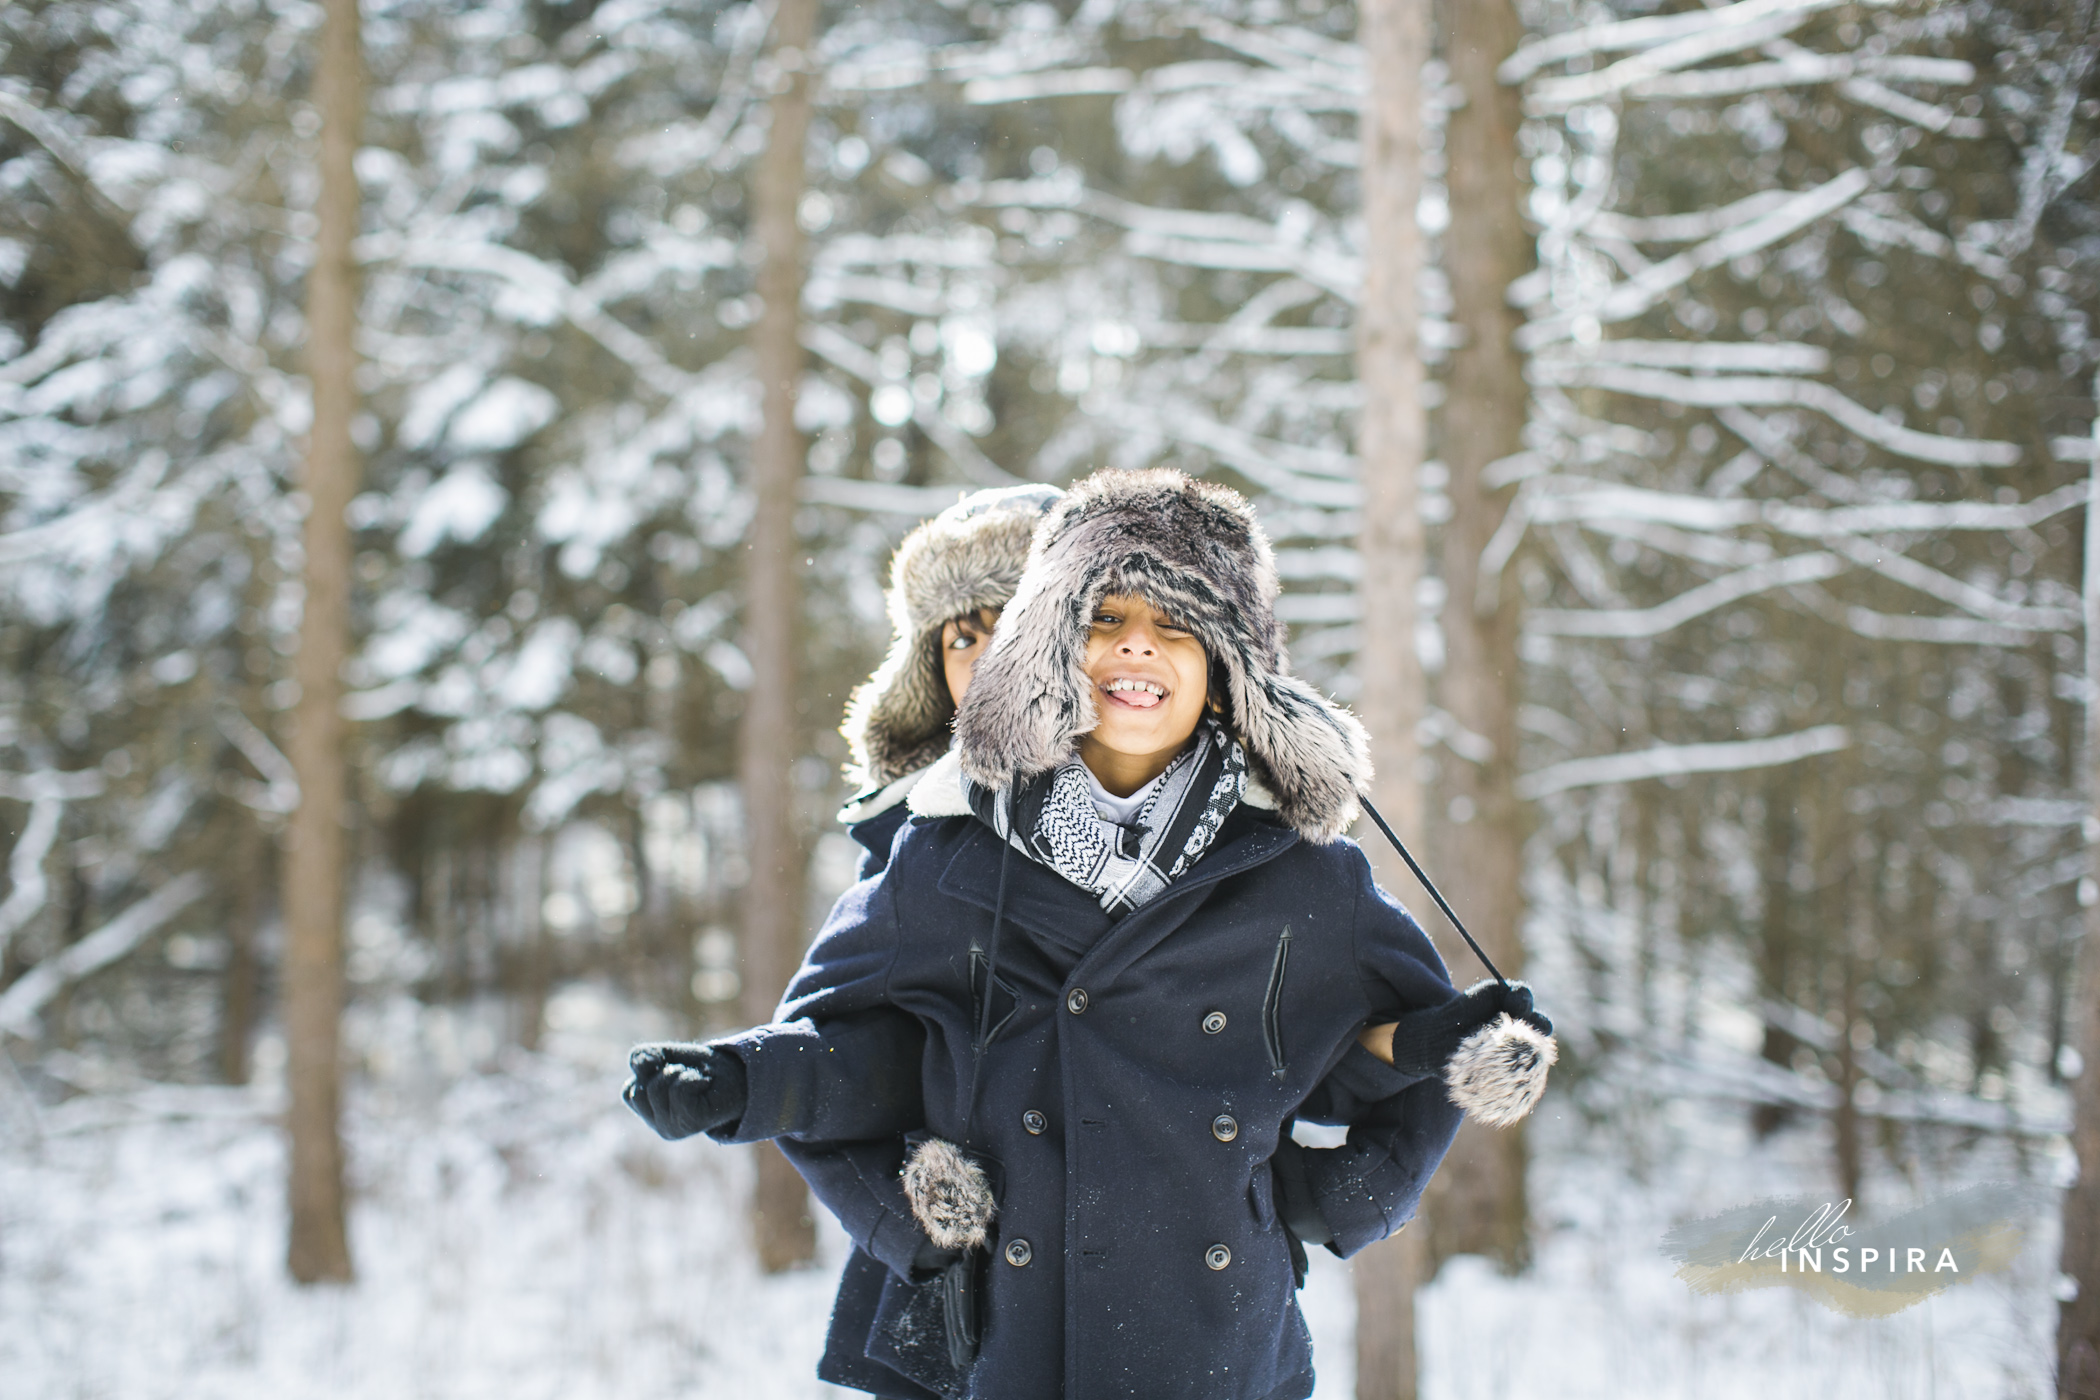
{"x":1005,"y":999}
{"x":1272,"y":1003}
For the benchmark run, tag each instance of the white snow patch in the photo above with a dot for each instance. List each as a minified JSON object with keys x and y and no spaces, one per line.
{"x":540,"y":673}
{"x":508,"y":411}
{"x":460,"y":506}
{"x":432,"y":406}
{"x":518,"y":1234}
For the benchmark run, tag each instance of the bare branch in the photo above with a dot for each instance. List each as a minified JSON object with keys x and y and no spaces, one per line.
{"x":1056,"y":82}
{"x":1806,"y":68}
{"x":1895,"y":565}
{"x":834,"y":345}
{"x":20,"y":1003}
{"x":1617,"y":36}
{"x":122,"y":501}
{"x":1643,"y":289}
{"x":1732,"y":29}
{"x":1709,"y":357}
{"x":1578,"y":500}
{"x":1785,"y":393}
{"x":1684,"y":228}
{"x":1931,"y":116}
{"x":279,"y":793}
{"x":25,"y":868}
{"x":878,"y":497}
{"x":542,"y":279}
{"x":1692,"y":603}
{"x":1669,"y":760}
{"x":1902,"y":627}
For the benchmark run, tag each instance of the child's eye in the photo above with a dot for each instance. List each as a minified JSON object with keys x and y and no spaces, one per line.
{"x":963,"y":642}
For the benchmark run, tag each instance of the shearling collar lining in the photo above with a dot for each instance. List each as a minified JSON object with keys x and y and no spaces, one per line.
{"x":880,"y":800}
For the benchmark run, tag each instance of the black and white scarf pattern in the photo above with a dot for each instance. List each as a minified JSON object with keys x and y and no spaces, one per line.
{"x":1051,"y":819}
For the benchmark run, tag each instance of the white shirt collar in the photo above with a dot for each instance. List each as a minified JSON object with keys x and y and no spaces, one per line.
{"x":1121,"y":810}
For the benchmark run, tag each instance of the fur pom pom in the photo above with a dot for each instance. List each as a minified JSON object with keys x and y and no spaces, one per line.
{"x":1499,"y":1071}
{"x":950,"y":1196}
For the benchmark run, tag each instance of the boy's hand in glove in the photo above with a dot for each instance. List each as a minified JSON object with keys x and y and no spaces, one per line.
{"x":932,"y":1259}
{"x":1421,"y":1041}
{"x":680,"y":1089}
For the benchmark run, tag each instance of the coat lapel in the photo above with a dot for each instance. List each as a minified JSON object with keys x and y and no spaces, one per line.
{"x":1060,"y":913}
{"x":1244,"y":843}
{"x":1038,"y":899}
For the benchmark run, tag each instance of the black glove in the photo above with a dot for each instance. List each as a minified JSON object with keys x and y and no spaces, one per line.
{"x":680,"y":1089}
{"x":1424,"y":1040}
{"x":931,"y":1258}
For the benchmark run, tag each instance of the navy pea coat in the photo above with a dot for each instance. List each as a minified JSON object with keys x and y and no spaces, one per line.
{"x":1141,"y":1075}
{"x":875,"y":835}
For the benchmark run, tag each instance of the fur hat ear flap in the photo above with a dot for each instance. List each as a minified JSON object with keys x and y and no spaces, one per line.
{"x":950,"y":1195}
{"x":1313,"y":755}
{"x":1030,"y":697}
{"x":1498,"y":1073}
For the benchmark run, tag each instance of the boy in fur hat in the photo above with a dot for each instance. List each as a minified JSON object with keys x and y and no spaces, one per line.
{"x":1109,"y":1181}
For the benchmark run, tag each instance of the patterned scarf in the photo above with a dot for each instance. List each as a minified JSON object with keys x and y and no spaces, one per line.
{"x":1051,"y":819}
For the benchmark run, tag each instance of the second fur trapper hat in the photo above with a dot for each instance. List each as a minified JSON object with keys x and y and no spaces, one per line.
{"x":1195,"y":550}
{"x":968,"y":557}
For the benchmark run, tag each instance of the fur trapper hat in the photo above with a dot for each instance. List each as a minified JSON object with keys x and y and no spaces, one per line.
{"x":968,"y":557}
{"x":1195,"y":550}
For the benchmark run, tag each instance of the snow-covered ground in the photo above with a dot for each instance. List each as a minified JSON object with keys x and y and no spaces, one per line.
{"x":517,"y":1235}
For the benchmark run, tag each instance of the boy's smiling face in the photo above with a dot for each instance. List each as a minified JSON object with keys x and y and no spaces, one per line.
{"x":1151,"y":679}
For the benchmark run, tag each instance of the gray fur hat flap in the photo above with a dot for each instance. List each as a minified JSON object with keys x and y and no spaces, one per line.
{"x":968,"y":557}
{"x":1195,"y":550}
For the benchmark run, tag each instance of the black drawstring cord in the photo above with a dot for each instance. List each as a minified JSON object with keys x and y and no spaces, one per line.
{"x":991,"y":983}
{"x":1427,"y":884}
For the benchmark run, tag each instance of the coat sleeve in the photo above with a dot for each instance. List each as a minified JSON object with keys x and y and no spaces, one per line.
{"x":1400,"y":1126}
{"x":846,"y":1079}
{"x":860,"y":1184}
{"x":856,"y":1061}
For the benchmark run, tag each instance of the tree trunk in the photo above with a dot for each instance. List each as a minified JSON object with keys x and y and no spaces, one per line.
{"x":319,"y":1247}
{"x":1844,"y":1124}
{"x":1390,"y":441}
{"x":2078,"y":1319}
{"x":773,"y":899}
{"x":1475,"y":1204}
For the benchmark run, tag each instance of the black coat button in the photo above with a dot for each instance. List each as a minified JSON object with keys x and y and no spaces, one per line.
{"x":1214,"y":1023}
{"x":1034,"y":1121}
{"x":1217,"y":1256}
{"x":1018,"y":1253}
{"x":1224,"y":1127}
{"x":1075,"y":1000}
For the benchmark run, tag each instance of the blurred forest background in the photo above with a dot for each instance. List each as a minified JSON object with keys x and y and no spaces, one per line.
{"x":1750,"y":641}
